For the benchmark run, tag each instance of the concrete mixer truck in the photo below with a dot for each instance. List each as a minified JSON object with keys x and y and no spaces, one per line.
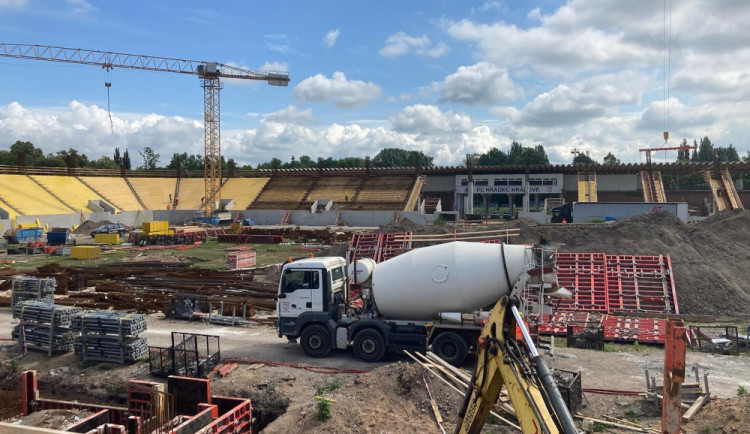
{"x":434,"y":297}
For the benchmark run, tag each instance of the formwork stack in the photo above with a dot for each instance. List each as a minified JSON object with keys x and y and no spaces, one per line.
{"x":45,"y":326}
{"x":111,"y":337}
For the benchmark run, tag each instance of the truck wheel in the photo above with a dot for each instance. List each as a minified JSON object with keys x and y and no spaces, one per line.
{"x":451,"y":347}
{"x":316,"y":341}
{"x":369,"y":345}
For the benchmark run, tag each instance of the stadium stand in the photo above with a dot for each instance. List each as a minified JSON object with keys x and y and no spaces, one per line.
{"x":242,"y":190}
{"x":28,"y":197}
{"x":190,"y":193}
{"x":155,"y":192}
{"x":337,"y":188}
{"x":383,"y":193}
{"x":12,"y":214}
{"x":69,"y":190}
{"x":114,"y":190}
{"x":282,"y":192}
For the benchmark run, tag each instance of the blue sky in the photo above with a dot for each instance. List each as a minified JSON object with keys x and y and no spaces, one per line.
{"x":444,"y":77}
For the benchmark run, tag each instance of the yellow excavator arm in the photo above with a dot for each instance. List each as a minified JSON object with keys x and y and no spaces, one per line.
{"x":502,"y":359}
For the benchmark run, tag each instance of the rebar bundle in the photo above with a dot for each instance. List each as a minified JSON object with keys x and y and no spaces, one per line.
{"x":111,"y":348}
{"x":25,"y":288}
{"x":105,"y":323}
{"x":37,"y":337}
{"x":43,"y":312}
{"x":110,"y":337}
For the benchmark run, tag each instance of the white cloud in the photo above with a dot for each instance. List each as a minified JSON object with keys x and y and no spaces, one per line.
{"x":292,"y":114}
{"x":400,"y":44}
{"x":274,"y":66}
{"x":428,"y":119}
{"x":13,"y":3}
{"x":344,"y":93}
{"x":330,"y":38}
{"x":574,"y":103}
{"x":534,"y":14}
{"x":483,"y":83}
{"x":81,"y":7}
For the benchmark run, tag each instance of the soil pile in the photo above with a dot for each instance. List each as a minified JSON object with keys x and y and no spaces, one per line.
{"x":88,"y":226}
{"x":709,"y":258}
{"x":726,"y":416}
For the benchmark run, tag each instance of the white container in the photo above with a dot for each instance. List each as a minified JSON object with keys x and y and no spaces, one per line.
{"x":451,"y":277}
{"x":364,"y":269}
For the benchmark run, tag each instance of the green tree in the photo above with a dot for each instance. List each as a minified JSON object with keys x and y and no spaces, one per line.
{"x":611,"y":159}
{"x":519,"y":154}
{"x":583,"y":158}
{"x":126,"y":160}
{"x":706,"y":150}
{"x":117,"y":159}
{"x":25,"y":152}
{"x":493,"y":157}
{"x":694,"y":156}
{"x":186,"y":162}
{"x":150,"y":158}
{"x":71,"y":158}
{"x":683,"y":155}
{"x":395,"y":157}
{"x":103,"y":162}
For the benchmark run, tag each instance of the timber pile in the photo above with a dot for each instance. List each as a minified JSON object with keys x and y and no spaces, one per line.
{"x":147,"y":287}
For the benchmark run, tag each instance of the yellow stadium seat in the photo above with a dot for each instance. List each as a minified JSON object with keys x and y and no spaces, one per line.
{"x":114,"y":190}
{"x":154,"y":192}
{"x":70,"y":191}
{"x":28,"y":197}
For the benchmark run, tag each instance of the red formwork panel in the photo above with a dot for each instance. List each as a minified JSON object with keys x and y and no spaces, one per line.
{"x":640,"y":284}
{"x":558,"y":324}
{"x":628,"y":329}
{"x":392,"y":245}
{"x":584,"y":274}
{"x":366,"y":246}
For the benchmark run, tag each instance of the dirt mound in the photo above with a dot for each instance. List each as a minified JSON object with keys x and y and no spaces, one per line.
{"x":392,"y":398}
{"x":709,"y":258}
{"x":725,"y":416}
{"x":88,"y":226}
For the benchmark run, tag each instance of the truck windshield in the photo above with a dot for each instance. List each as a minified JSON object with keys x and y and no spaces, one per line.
{"x":299,"y":279}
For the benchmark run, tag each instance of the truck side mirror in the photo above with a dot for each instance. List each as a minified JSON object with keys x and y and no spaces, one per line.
{"x":282,"y":295}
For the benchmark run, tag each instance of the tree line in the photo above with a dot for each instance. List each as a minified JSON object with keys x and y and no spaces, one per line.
{"x":23,"y":153}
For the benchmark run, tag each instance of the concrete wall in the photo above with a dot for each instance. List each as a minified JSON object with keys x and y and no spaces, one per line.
{"x":539,"y":217}
{"x":587,"y":211}
{"x":439,"y":183}
{"x":305,"y":218}
{"x":367,"y":218}
{"x":264,"y":216}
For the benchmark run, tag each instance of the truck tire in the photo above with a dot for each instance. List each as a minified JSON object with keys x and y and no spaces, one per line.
{"x":316,"y":341}
{"x":451,"y":347}
{"x":369,"y":345}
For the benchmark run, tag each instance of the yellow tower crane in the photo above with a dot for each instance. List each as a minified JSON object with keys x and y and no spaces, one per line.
{"x":208,"y":72}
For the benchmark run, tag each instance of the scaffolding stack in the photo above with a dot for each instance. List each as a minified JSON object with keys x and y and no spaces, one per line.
{"x":111,"y":337}
{"x":45,"y":326}
{"x":25,"y":288}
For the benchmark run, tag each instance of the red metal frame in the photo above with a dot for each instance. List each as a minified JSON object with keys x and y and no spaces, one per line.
{"x":392,"y":245}
{"x":674,"y":376}
{"x":558,"y":324}
{"x":628,"y":329}
{"x":584,"y":274}
{"x":366,"y":246}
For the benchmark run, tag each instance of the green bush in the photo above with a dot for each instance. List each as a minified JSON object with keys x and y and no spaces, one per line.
{"x":741,"y":391}
{"x":440,"y":221}
{"x":323,"y":408}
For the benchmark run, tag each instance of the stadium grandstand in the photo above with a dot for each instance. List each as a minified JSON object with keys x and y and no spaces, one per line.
{"x":266,"y":195}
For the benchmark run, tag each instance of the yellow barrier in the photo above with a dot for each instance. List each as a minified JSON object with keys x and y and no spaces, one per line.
{"x":85,"y":252}
{"x":107,"y":238}
{"x":155,"y":227}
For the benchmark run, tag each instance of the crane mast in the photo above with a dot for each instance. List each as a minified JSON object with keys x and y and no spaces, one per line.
{"x":209,"y":73}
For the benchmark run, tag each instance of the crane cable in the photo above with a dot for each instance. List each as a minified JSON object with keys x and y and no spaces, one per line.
{"x":108,"y":84}
{"x":667,"y":65}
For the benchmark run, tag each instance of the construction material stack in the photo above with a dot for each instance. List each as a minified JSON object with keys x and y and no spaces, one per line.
{"x":111,"y":337}
{"x":25,"y":288}
{"x":45,"y":326}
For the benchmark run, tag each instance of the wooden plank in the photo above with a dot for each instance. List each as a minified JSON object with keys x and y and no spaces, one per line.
{"x":694,"y":408}
{"x":436,"y":410}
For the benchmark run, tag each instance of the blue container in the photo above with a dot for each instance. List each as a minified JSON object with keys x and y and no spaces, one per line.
{"x":31,"y":234}
{"x":57,"y":238}
{"x":213,"y":221}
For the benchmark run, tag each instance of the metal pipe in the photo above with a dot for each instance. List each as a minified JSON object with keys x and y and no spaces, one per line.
{"x":546,"y":378}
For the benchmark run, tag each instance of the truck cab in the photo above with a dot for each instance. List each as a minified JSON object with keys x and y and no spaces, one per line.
{"x":561,"y":213}
{"x":309,"y":289}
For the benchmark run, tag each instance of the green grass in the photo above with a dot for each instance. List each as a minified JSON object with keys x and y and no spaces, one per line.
{"x":741,"y":391}
{"x":209,"y":255}
{"x":330,"y":387}
{"x":631,"y":415}
{"x":600,"y":427}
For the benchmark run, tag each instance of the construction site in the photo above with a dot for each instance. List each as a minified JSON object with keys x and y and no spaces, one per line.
{"x":470,"y":298}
